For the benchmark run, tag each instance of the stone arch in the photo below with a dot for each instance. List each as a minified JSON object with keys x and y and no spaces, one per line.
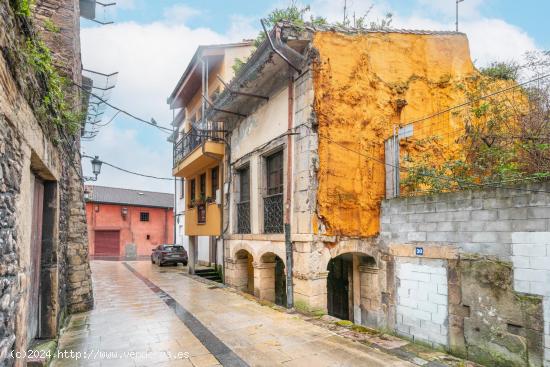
{"x":353,"y":280}
{"x":240,"y":270}
{"x":243,"y":246}
{"x":365,"y":248}
{"x":270,"y":278}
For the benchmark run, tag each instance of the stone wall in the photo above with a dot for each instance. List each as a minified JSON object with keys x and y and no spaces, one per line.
{"x":495,"y":246}
{"x":31,"y":149}
{"x":10,"y":178}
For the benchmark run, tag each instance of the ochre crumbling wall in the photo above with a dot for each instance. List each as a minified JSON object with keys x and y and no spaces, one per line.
{"x":365,"y":85}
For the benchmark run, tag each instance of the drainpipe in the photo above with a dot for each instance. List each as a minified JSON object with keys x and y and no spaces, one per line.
{"x":288,"y":205}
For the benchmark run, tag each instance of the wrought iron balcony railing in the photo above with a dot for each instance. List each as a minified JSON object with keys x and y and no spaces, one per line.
{"x":211,"y":131}
{"x":273,"y":213}
{"x":243,"y":217}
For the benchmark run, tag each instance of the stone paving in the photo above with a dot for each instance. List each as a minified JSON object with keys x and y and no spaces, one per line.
{"x":135,"y":325}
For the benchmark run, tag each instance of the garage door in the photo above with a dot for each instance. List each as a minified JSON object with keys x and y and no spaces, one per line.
{"x":107,"y":243}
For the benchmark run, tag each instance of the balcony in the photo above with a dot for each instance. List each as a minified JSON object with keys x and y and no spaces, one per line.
{"x":198,"y":148}
{"x":203,"y":220}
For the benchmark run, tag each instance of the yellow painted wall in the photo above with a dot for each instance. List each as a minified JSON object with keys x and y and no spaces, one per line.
{"x":358,"y":81}
{"x":213,"y":212}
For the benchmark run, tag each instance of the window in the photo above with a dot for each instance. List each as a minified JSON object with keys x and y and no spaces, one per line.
{"x":203,"y":186}
{"x":274,"y":165}
{"x":144,"y":216}
{"x":201,"y":214}
{"x":215,"y":180}
{"x":181,"y":188}
{"x":273,"y":201}
{"x":243,"y":207}
{"x":192,"y":190}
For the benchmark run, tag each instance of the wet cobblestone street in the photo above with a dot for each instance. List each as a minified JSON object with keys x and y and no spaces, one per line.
{"x":150,"y":316}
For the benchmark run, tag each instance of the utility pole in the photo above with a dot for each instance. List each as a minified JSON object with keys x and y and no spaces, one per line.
{"x":457,"y":2}
{"x":345,"y":11}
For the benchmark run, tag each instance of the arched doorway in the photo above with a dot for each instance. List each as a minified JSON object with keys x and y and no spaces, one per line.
{"x":351,"y":286}
{"x":340,"y":271}
{"x":244,"y":271}
{"x":272,"y":278}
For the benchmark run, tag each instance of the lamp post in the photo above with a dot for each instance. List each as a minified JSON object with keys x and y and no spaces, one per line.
{"x":96,"y":169}
{"x":457,"y":2}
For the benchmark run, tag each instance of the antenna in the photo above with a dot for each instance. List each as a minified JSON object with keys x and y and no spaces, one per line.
{"x":457,"y":2}
{"x":345,"y":11}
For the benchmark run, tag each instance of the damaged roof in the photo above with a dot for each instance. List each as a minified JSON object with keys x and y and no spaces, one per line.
{"x":265,"y":71}
{"x":115,"y":195}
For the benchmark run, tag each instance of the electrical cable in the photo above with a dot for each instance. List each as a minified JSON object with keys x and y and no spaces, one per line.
{"x":466,"y":184}
{"x":132,"y":172}
{"x":161,"y":128}
{"x":476,"y":100}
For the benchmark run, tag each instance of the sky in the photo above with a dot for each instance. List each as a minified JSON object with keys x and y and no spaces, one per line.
{"x":152,"y":41}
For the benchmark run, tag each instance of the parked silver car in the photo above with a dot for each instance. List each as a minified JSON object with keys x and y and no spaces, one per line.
{"x":169,"y":254}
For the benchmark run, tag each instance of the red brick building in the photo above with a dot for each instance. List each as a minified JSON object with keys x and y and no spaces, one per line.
{"x":124,"y":222}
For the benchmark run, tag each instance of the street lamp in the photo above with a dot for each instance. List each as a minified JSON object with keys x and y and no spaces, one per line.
{"x":96,"y":169}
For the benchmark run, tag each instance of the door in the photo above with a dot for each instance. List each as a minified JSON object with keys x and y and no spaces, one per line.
{"x":339,"y":269}
{"x":280,"y":282}
{"x":107,"y":243}
{"x":36,"y":255}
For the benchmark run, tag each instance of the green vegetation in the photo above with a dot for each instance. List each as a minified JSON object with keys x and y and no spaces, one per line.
{"x":304,"y":308}
{"x":293,"y":13}
{"x":51,"y":26}
{"x":297,"y":15}
{"x":22,"y":7}
{"x":501,"y":70}
{"x":505,"y":139}
{"x":344,"y":323}
{"x":54,"y":104}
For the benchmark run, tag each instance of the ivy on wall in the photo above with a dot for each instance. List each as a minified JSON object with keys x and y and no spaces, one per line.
{"x":55,"y":105}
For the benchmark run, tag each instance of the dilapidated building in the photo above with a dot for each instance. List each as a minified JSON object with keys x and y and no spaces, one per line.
{"x":44,"y":269}
{"x":315,"y":124}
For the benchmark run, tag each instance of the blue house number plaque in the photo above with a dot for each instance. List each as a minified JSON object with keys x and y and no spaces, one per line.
{"x":419,"y":251}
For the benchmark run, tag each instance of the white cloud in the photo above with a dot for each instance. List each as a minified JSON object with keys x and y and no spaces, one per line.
{"x":122,"y":148}
{"x":490,"y":39}
{"x":150,"y":59}
{"x":447,"y":8}
{"x":180,"y":13}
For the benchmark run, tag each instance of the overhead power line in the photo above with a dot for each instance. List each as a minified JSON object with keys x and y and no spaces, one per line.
{"x":466,"y":103}
{"x":162,"y":128}
{"x":132,"y":172}
{"x":466,"y":184}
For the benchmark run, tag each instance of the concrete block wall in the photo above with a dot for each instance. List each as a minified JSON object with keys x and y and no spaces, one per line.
{"x":531,"y":260}
{"x":479,"y":222}
{"x":422,"y":305}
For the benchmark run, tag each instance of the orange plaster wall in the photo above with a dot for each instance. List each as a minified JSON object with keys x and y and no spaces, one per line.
{"x":160,"y":227}
{"x":358,"y":81}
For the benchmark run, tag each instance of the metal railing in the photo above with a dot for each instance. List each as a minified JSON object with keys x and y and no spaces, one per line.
{"x":243,"y":217}
{"x":273,"y":214}
{"x":211,"y":131}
